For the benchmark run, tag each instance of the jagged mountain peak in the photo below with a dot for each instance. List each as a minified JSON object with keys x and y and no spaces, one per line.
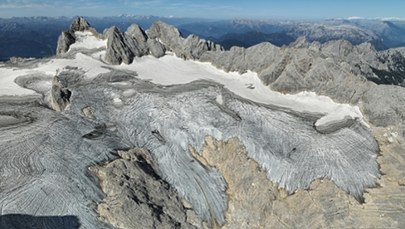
{"x":161,"y":29}
{"x":136,"y":31}
{"x":122,"y":47}
{"x":79,"y":24}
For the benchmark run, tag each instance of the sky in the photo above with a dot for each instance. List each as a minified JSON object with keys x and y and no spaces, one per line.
{"x":215,"y":9}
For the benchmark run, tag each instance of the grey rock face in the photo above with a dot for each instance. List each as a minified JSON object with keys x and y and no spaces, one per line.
{"x":79,"y":24}
{"x":137,"y":40}
{"x":137,"y":197}
{"x":118,"y":50}
{"x":167,"y":34}
{"x":161,"y":37}
{"x":60,"y":95}
{"x":123,"y":47}
{"x":384,"y":105}
{"x":156,"y":48}
{"x":64,"y":41}
{"x":337,"y":69}
{"x":68,"y":37}
{"x":191,"y":47}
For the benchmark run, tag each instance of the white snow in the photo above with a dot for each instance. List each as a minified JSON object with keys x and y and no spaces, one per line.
{"x":87,"y":40}
{"x":91,"y":66}
{"x":7,"y":84}
{"x":170,"y":70}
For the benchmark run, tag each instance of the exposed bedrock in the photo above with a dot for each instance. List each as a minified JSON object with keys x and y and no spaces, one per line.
{"x":258,"y":203}
{"x":79,"y":24}
{"x":384,"y":105}
{"x":65,"y":40}
{"x":60,"y":92}
{"x":118,"y":51}
{"x":137,"y":197}
{"x":337,"y":69}
{"x":161,"y":37}
{"x":52,"y":153}
{"x":191,"y":47}
{"x":68,"y":37}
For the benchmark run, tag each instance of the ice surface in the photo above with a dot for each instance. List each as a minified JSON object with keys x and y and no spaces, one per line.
{"x":45,"y":156}
{"x":173,"y":70}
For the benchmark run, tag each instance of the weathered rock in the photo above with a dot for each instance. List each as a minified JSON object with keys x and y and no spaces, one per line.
{"x":255,"y":202}
{"x":168,"y":35}
{"x":191,"y":47}
{"x":60,"y":95}
{"x":137,"y":197}
{"x":68,"y":37}
{"x":136,"y":40}
{"x":79,"y":24}
{"x":384,"y":105}
{"x":64,"y":41}
{"x":337,"y":69}
{"x":118,"y":50}
{"x":156,"y":48}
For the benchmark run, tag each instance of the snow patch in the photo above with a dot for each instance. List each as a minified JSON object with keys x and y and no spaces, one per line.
{"x":87,"y":40}
{"x":172,"y":70}
{"x":7,"y":84}
{"x":91,"y":66}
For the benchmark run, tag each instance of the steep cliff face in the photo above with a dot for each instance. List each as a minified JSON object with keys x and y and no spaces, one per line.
{"x":64,"y":41}
{"x":118,"y":51}
{"x":67,"y":38}
{"x":161,"y":37}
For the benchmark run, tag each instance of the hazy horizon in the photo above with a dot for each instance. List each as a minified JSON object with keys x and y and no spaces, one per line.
{"x":209,"y":9}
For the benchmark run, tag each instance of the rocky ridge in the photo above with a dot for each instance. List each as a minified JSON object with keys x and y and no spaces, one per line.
{"x":68,"y":37}
{"x":135,"y":42}
{"x":123,"y":47}
{"x":135,"y":189}
{"x":338,"y":69}
{"x":345,"y":72}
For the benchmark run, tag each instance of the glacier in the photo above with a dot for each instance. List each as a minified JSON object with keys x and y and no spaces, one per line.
{"x":46,"y":154}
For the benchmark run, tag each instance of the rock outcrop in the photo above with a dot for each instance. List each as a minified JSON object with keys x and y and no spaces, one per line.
{"x":191,"y":47}
{"x":118,"y":51}
{"x":137,"y":197}
{"x":259,"y":203}
{"x":79,"y":24}
{"x":346,"y":73}
{"x":64,"y":41}
{"x":60,"y":94}
{"x":161,"y":37}
{"x":68,"y":37}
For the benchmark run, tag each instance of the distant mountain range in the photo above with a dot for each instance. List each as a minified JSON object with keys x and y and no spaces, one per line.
{"x":37,"y":36}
